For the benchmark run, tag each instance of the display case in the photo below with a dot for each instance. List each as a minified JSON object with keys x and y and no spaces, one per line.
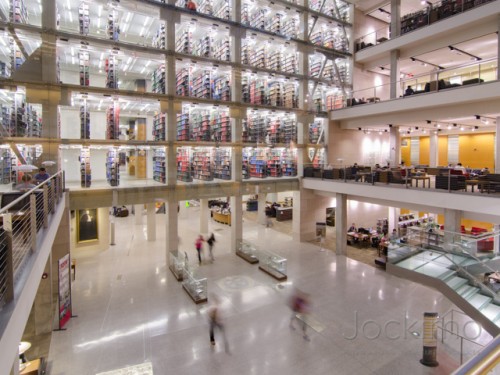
{"x":248,"y":252}
{"x":272,"y":264}
{"x":196,"y":288}
{"x":176,"y":264}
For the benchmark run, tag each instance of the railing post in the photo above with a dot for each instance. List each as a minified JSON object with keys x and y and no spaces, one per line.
{"x":406,"y":178}
{"x":449,"y":180}
{"x":45,"y":206}
{"x":57,"y":188}
{"x":461,"y":350}
{"x":9,"y":263}
{"x":33,"y":221}
{"x":63,"y":181}
{"x":52,"y":202}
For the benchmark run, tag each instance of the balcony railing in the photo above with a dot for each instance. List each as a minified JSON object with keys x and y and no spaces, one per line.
{"x":22,"y":219}
{"x":476,"y":72}
{"x":416,"y":20}
{"x":420,"y":177}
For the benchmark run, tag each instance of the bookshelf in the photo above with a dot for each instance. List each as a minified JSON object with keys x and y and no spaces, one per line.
{"x":200,"y":125}
{"x":245,"y":157}
{"x":84,"y":18}
{"x":111,"y":69}
{"x":159,"y":165}
{"x":159,"y":126}
{"x":183,"y":128}
{"x":288,"y":129}
{"x":84,"y":121}
{"x":257,"y":163}
{"x":84,"y":62}
{"x":18,"y":12}
{"x":183,"y":165}
{"x":222,"y":163}
{"x":182,"y":82}
{"x":113,"y":29}
{"x":256,"y":123}
{"x":5,"y":166}
{"x":5,"y":118}
{"x":221,"y":126}
{"x":85,"y":172}
{"x":202,"y":164}
{"x":201,"y":84}
{"x":113,"y":167}
{"x":222,"y":87}
{"x":159,"y":39}
{"x":158,"y":80}
{"x":315,"y":131}
{"x":113,"y":121}
{"x":288,"y":163}
{"x":274,"y":163}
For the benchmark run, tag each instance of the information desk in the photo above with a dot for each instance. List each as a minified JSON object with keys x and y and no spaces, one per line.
{"x":222,"y":218}
{"x":32,"y":367}
{"x":284,"y":213}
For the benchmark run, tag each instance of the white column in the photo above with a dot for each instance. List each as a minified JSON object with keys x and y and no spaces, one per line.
{"x":261,"y":211}
{"x":394,"y":89}
{"x":452,"y":222}
{"x":395,"y":146}
{"x":151,"y":221}
{"x":497,"y":146}
{"x":204,"y":215}
{"x":496,"y":249}
{"x":138,"y":213}
{"x":171,"y":223}
{"x":393,"y":218}
{"x":236,"y":222}
{"x":341,"y":224}
{"x":433,"y":150}
{"x":395,"y":18}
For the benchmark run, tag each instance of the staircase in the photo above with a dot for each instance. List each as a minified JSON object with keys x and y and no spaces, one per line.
{"x":447,"y":273}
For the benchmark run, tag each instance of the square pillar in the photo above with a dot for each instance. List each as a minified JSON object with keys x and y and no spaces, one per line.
{"x":151,"y":221}
{"x":236,"y":221}
{"x":341,"y":224}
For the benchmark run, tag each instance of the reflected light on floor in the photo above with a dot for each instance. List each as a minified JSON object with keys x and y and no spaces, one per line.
{"x":119,"y":334}
{"x":381,"y":294}
{"x":333,"y":267}
{"x":142,"y":369}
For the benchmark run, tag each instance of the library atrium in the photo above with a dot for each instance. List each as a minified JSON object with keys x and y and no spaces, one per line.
{"x":344,"y":154}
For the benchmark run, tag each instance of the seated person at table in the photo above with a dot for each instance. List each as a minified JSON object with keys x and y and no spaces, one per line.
{"x":354,"y":171}
{"x":41,"y":176}
{"x":485,"y":171}
{"x":459,"y":167}
{"x":409,"y":91}
{"x":384,"y":243}
{"x":394,"y":235}
{"x":352,"y":228}
{"x":26,"y":184}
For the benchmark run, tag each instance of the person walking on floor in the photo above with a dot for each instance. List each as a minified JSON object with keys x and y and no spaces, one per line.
{"x":199,"y":246}
{"x":299,"y":303}
{"x":215,"y":321}
{"x":210,"y":243}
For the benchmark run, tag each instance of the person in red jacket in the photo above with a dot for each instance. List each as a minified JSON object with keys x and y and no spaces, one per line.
{"x":191,"y":5}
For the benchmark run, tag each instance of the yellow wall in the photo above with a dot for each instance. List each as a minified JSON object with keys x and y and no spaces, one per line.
{"x":405,"y":151}
{"x":424,"y":150}
{"x":468,"y":224}
{"x":477,"y":150}
{"x":442,"y":151}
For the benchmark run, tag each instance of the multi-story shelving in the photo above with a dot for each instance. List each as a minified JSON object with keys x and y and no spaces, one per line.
{"x":113,"y":28}
{"x":202,"y":164}
{"x":113,"y":167}
{"x":183,"y":128}
{"x":5,"y":166}
{"x":257,"y":163}
{"x":200,"y":125}
{"x":274,"y":163}
{"x":84,"y":120}
{"x":84,"y":60}
{"x":221,"y":126}
{"x":288,"y":163}
{"x":222,"y":163}
{"x":158,"y":80}
{"x":256,"y":125}
{"x":159,"y":39}
{"x":159,"y":165}
{"x":111,"y":69}
{"x":85,"y":172}
{"x":113,"y":121}
{"x":18,"y":12}
{"x":159,"y":127}
{"x":84,"y":18}
{"x":184,"y":165}
{"x":316,"y":131}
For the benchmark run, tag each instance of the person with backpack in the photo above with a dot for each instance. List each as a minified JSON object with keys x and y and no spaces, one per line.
{"x":199,"y":246}
{"x":210,"y":243}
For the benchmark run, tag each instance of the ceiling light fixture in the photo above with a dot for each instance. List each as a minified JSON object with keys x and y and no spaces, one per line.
{"x":425,"y":63}
{"x":459,"y":51}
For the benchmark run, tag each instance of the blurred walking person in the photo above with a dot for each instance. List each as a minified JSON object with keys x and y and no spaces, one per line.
{"x":300,"y":305}
{"x":210,"y":243}
{"x":199,"y":246}
{"x":215,"y":321}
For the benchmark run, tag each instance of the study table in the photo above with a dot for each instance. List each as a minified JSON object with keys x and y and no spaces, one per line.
{"x":423,"y":179}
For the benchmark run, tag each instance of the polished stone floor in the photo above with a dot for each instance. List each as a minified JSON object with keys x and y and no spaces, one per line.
{"x":135,"y":318}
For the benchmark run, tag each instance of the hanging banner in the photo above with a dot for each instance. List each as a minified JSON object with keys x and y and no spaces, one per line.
{"x":64,"y":291}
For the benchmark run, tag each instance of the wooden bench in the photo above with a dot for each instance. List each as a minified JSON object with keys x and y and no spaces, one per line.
{"x":252,"y":259}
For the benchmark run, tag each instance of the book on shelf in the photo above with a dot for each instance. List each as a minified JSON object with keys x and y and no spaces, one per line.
{"x":222,"y":163}
{"x":159,"y":165}
{"x":183,"y":165}
{"x":113,"y":167}
{"x":85,"y":172}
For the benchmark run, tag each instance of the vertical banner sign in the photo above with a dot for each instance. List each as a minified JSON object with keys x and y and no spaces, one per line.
{"x":430,"y":340}
{"x":64,"y":291}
